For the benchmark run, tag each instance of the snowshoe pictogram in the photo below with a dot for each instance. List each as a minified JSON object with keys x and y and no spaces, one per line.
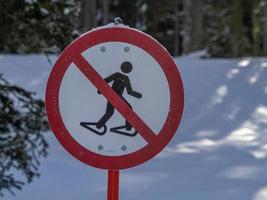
{"x":124,"y":131}
{"x":120,"y":83}
{"x":92,"y":126}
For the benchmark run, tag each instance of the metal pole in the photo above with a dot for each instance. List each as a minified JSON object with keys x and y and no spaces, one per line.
{"x":113,"y":184}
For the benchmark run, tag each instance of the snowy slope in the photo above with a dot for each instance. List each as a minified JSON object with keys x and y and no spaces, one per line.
{"x":219,"y":152}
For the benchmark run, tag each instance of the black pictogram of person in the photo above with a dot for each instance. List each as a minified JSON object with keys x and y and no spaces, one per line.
{"x":120,"y":83}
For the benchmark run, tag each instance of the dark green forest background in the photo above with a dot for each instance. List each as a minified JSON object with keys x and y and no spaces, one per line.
{"x":223,"y":28}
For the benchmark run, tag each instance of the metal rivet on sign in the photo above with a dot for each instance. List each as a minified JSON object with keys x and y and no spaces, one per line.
{"x":103,"y":49}
{"x":100,"y":147}
{"x":126,"y":49}
{"x":124,"y":147}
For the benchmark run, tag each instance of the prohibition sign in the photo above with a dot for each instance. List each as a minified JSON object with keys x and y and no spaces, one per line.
{"x":73,"y":55}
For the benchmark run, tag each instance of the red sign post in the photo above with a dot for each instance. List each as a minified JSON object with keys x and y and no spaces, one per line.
{"x":154,"y":142}
{"x":113,"y":184}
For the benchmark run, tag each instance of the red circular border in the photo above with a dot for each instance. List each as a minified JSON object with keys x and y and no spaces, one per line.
{"x":159,"y":53}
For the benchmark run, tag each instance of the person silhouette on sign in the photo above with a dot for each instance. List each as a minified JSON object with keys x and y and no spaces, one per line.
{"x":120,"y":83}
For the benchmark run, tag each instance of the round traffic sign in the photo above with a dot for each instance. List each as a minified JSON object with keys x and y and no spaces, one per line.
{"x":114,"y":98}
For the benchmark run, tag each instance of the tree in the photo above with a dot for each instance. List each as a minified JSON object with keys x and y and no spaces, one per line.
{"x":22,"y":120}
{"x":236,"y":28}
{"x":193,"y":29}
{"x":88,"y":15}
{"x":37,"y":25}
{"x":28,"y":26}
{"x":177,"y":28}
{"x":256,"y":32}
{"x":106,"y":5}
{"x":160,"y":21}
{"x":217,"y":28}
{"x":264,"y":4}
{"x":264,"y":21}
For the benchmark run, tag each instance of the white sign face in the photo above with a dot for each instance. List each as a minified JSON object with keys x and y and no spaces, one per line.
{"x":114,"y":98}
{"x":81,"y":106}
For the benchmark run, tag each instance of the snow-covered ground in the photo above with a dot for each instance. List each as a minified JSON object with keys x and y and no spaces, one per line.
{"x":218,"y":153}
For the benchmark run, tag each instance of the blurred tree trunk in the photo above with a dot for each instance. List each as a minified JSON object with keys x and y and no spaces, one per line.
{"x":256,"y":31}
{"x":193,"y":26}
{"x":176,"y":29}
{"x":160,"y":24}
{"x":88,"y":15}
{"x":264,"y":32}
{"x":197,"y":30}
{"x":187,"y":26}
{"x":237,"y":29}
{"x":105,"y":12}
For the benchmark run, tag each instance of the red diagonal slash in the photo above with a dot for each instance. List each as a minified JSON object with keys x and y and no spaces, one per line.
{"x":114,"y":99}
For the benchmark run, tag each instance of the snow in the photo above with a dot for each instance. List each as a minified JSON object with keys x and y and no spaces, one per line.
{"x":219,"y":151}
